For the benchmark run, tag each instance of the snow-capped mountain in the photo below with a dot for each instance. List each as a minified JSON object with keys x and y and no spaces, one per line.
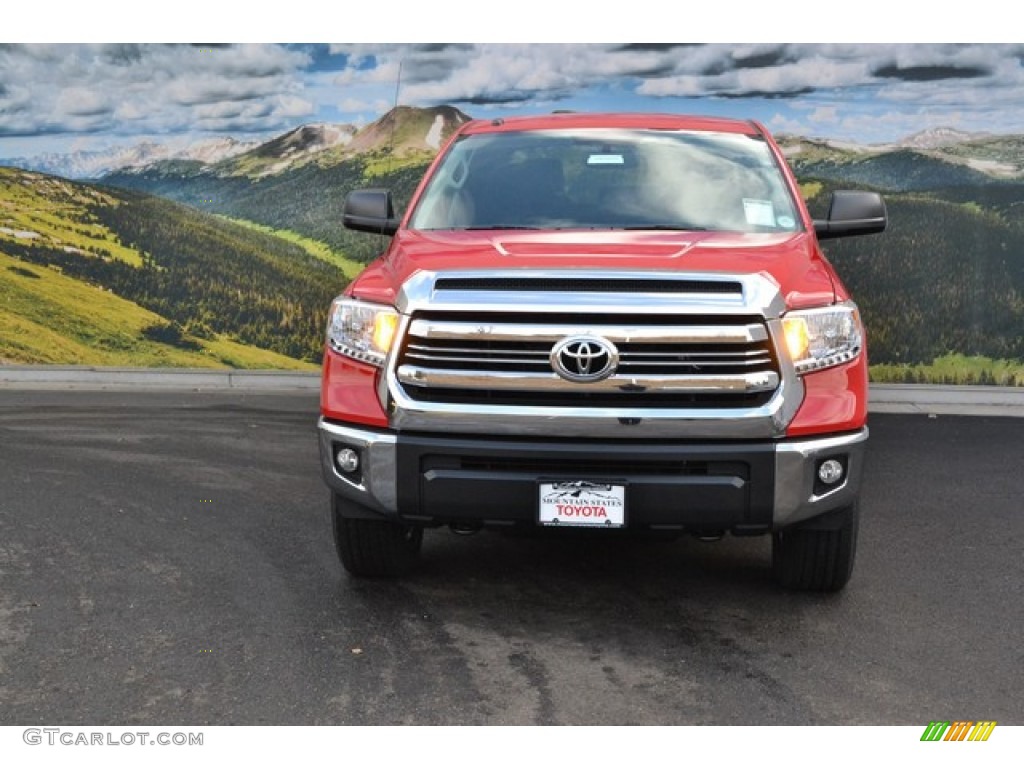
{"x":410,"y":128}
{"x":934,"y":138}
{"x":308,"y":139}
{"x":293,"y":148}
{"x":214,"y":150}
{"x":401,"y":131}
{"x":92,"y":164}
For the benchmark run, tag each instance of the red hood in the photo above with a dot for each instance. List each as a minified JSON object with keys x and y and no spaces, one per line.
{"x":790,"y":260}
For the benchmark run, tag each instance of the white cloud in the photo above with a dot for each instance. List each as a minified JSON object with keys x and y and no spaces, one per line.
{"x":289,"y":105}
{"x":82,"y":102}
{"x":350,"y":104}
{"x":147,"y":88}
{"x":779,"y":123}
{"x":826,"y":114}
{"x":489,"y":73}
{"x":128,"y":111}
{"x":823,"y":88}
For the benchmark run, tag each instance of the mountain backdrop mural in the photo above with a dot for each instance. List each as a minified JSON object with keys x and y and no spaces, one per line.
{"x":219,"y":243}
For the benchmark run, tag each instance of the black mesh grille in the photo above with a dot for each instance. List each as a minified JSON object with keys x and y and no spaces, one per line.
{"x":586,"y":285}
{"x":578,"y":467}
{"x":581,"y":399}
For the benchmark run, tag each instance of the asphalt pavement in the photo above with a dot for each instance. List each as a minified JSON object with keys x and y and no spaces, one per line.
{"x":165,"y":558}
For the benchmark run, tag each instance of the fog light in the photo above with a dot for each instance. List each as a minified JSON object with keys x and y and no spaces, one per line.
{"x":830,"y":472}
{"x":347,"y":460}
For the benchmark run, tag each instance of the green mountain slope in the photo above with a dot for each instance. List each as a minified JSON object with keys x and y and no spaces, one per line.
{"x":899,"y":171}
{"x":406,"y":135}
{"x":307,"y":199}
{"x":284,"y":184}
{"x":222,"y":293}
{"x":998,"y":155}
{"x":946,"y":277}
{"x":49,"y":318}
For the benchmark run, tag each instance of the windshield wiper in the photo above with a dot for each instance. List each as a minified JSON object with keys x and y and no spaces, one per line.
{"x":665,"y":228}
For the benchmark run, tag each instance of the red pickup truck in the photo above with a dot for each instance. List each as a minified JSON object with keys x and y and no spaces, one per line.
{"x":620,"y":322}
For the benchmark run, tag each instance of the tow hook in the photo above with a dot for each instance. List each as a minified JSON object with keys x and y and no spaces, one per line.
{"x":709,"y":537}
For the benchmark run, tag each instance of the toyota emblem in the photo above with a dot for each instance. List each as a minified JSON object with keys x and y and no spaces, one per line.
{"x":584,"y":359}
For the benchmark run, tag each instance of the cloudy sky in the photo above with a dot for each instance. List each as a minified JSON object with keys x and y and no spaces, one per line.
{"x":65,"y":97}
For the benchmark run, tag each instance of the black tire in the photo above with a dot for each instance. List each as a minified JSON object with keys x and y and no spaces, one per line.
{"x":373,"y":547}
{"x":818,"y":556}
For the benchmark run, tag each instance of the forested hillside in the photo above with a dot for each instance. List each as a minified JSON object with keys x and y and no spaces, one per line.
{"x":202,"y":279}
{"x":902,"y":170}
{"x":299,"y":181}
{"x":307,"y":199}
{"x":945,"y":277}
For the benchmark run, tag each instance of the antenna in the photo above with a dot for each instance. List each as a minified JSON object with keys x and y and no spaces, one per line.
{"x":394,"y":116}
{"x":394,"y":125}
{"x":398,"y":82}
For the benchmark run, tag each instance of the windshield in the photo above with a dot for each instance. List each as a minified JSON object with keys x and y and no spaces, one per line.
{"x":608,"y":179}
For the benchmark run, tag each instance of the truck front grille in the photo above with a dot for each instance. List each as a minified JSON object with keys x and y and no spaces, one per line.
{"x":662,"y":361}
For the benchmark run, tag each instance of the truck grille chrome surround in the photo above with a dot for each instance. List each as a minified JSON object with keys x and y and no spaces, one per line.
{"x":480,"y":354}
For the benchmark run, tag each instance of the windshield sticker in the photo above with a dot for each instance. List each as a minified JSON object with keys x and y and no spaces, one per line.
{"x":760,"y":213}
{"x":785,"y":221}
{"x":605,"y":160}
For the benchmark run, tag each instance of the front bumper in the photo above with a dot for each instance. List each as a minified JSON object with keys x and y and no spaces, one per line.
{"x":741,"y":486}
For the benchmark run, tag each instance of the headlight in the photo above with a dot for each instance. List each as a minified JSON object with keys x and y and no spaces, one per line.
{"x":821,"y":338}
{"x":361,"y":330}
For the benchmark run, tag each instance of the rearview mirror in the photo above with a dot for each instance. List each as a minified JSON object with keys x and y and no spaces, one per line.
{"x":370,"y":210}
{"x":852,"y":212}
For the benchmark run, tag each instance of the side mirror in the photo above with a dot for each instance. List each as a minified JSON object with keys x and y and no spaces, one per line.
{"x":370,"y":210}
{"x":852,"y":213}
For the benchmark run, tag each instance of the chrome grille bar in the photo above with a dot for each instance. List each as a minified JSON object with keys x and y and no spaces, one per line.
{"x":519,"y":381}
{"x":666,"y":334}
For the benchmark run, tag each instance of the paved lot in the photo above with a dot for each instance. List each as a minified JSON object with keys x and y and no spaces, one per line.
{"x":164,"y":558}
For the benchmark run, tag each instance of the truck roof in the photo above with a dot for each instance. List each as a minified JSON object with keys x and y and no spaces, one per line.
{"x":655,"y":121}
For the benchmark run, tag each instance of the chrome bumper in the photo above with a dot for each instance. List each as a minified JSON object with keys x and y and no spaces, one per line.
{"x":376,"y":486}
{"x":795,"y":463}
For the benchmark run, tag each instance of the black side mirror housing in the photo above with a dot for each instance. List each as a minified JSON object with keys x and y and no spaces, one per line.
{"x":370,"y":210}
{"x":852,"y":212}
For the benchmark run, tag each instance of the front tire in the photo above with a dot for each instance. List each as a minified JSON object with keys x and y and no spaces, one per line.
{"x":368,"y":547}
{"x":817,"y":556}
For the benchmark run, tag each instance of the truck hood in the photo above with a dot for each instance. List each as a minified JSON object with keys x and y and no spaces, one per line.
{"x":791,"y":260}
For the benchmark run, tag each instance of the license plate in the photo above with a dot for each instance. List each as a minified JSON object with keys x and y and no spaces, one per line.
{"x":583,"y":503}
